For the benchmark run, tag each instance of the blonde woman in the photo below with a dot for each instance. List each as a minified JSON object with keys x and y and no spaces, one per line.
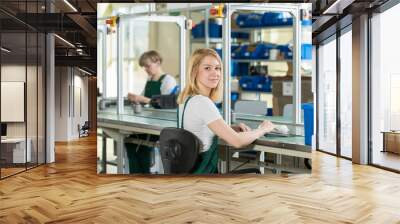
{"x":201,"y":116}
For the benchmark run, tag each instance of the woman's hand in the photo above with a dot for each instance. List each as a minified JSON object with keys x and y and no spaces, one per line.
{"x":266,"y":126}
{"x":138,"y":98}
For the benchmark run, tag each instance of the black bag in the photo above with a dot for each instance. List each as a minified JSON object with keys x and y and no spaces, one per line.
{"x":179,"y":148}
{"x":164,"y":101}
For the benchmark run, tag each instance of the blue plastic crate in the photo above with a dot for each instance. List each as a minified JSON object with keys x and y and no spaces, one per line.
{"x":269,"y":112}
{"x":239,"y":52}
{"x":306,"y":22}
{"x":308,"y":122}
{"x":240,"y":19}
{"x":214,"y":30}
{"x":241,"y":35}
{"x":249,"y":20}
{"x":306,"y":51}
{"x":286,"y":51}
{"x":277,"y":19}
{"x":258,"y":51}
{"x":219,"y":51}
{"x":239,"y":68}
{"x":256,"y":83}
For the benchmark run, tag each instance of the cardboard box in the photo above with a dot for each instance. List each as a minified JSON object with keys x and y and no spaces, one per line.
{"x":280,"y":97}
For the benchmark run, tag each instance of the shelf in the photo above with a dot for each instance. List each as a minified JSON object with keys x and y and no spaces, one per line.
{"x":217,"y":40}
{"x":254,"y":91}
{"x":249,"y":29}
{"x":203,"y":40}
{"x":260,"y":60}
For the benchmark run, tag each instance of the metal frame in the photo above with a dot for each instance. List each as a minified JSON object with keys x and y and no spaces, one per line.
{"x":179,"y":20}
{"x":118,"y":130}
{"x":33,"y":164}
{"x":338,"y":98}
{"x":294,"y":10}
{"x":103,"y":32}
{"x":119,"y":135}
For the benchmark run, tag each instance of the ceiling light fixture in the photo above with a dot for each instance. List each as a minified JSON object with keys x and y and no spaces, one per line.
{"x":86,"y":72}
{"x":5,"y":49}
{"x":337,"y":7}
{"x":70,"y":5}
{"x":64,"y":40}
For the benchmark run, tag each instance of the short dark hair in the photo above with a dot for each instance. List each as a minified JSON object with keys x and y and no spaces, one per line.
{"x":153,"y":56}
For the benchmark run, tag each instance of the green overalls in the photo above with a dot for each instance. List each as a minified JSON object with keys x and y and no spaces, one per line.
{"x":139,"y":156}
{"x":207,"y":163}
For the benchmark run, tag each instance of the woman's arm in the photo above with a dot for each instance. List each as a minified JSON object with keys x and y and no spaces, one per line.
{"x":239,"y":139}
{"x":138,"y":98}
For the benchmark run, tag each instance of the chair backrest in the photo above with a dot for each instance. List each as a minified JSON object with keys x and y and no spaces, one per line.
{"x":251,"y":107}
{"x":179,"y":150}
{"x":86,"y":125}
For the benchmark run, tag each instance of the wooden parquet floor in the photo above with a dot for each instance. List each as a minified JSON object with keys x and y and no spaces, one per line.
{"x":70,"y":191}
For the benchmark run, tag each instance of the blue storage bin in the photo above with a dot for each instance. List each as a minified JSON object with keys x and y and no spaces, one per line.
{"x":241,"y":35}
{"x":239,"y":52}
{"x":244,"y":35}
{"x":258,"y":51}
{"x":308,"y":122}
{"x":243,"y":68}
{"x":306,"y":22}
{"x":257,"y":83}
{"x":249,"y":20}
{"x":239,"y":68}
{"x":277,"y":19}
{"x":234,"y":97}
{"x":306,"y":51}
{"x":286,"y":50}
{"x":269,"y":18}
{"x":219,"y":51}
{"x":269,"y":111}
{"x":253,"y":20}
{"x":240,"y":19}
{"x":214,"y":30}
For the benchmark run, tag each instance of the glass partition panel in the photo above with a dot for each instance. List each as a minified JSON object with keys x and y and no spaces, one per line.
{"x":158,"y":45}
{"x":32,"y":98}
{"x":327,"y":96}
{"x":107,"y":68}
{"x":15,"y":151}
{"x":262,"y":67}
{"x":385,"y":85}
{"x":346,"y":94}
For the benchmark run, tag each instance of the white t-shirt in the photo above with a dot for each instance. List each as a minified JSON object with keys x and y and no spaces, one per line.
{"x":201,"y":111}
{"x":167,"y":84}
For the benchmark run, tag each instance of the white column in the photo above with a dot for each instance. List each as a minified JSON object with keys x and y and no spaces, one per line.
{"x":50,"y":99}
{"x":360,"y":90}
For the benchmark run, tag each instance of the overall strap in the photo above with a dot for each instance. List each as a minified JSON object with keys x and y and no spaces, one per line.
{"x":183,"y":112}
{"x":162,"y":77}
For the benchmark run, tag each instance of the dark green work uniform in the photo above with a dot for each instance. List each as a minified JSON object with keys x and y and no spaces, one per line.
{"x":207,"y":163}
{"x":139,"y":155}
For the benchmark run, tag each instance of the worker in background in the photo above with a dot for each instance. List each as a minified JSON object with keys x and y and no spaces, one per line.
{"x":158,"y":83}
{"x":201,"y":117}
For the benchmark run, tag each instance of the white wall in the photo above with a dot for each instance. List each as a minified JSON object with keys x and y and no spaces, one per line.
{"x":70,"y":84}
